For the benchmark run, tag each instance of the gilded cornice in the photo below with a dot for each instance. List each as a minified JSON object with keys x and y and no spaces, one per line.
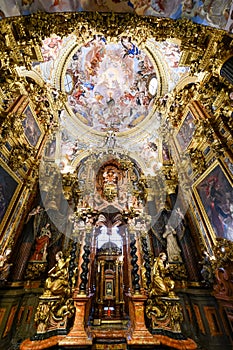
{"x":33,"y":29}
{"x":59,"y":71}
{"x":211,"y":49}
{"x":186,"y":80}
{"x":31,"y":74}
{"x":161,"y":69}
{"x":19,"y":35}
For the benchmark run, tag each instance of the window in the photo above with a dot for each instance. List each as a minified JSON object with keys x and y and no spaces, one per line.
{"x":153,"y":85}
{"x":68,"y":83}
{"x":113,"y":237}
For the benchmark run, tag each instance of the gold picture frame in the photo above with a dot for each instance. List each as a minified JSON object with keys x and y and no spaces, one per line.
{"x":109,"y":288}
{"x":186,"y":131}
{"x":213,"y":192}
{"x":32,"y":129}
{"x":10,"y":186}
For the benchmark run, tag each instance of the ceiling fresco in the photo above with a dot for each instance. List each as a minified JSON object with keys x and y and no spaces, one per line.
{"x":112,"y":84}
{"x":215,"y":13}
{"x":72,"y":143}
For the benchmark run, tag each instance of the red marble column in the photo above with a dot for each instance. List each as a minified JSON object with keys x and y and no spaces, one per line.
{"x":78,"y":335}
{"x":140,"y":334}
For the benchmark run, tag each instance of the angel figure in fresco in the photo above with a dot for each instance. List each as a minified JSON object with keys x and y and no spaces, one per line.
{"x":216,"y":12}
{"x":147,"y":7}
{"x":51,"y":47}
{"x":209,"y":12}
{"x":58,"y":5}
{"x":131,"y":50}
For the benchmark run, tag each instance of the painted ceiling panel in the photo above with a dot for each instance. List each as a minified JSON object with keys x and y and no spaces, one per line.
{"x":111,"y":86}
{"x":215,"y":13}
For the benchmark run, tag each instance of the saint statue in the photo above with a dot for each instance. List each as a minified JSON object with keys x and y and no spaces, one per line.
{"x":110,"y":180}
{"x":57,"y":282}
{"x":33,"y":223}
{"x":143,"y":276}
{"x":162,"y":285}
{"x":110,"y":139}
{"x":173,"y":250}
{"x":40,"y":252}
{"x":207,"y":269}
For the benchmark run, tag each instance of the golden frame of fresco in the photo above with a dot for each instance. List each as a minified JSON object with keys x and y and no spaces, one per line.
{"x":10,"y":186}
{"x":213,"y":192}
{"x":205,"y":239}
{"x":33,"y":131}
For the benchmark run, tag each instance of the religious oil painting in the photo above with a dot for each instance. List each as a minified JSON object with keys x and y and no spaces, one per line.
{"x":9,"y":188}
{"x":31,"y":127}
{"x":186,"y":131}
{"x":214,"y":194}
{"x":166,"y":154}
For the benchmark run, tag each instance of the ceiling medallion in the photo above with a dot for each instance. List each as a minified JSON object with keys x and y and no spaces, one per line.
{"x":110,"y":86}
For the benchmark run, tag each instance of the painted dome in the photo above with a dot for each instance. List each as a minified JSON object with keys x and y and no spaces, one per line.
{"x":110,"y":85}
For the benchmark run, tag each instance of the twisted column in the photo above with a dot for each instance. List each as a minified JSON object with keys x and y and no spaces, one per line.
{"x":84,"y":265}
{"x":135,"y":268}
{"x":121,"y":282}
{"x":72,"y":264}
{"x":146,"y":259}
{"x":117,"y":281}
{"x":102,"y":281}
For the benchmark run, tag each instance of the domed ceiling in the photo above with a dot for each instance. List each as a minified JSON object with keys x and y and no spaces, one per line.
{"x":111,"y":86}
{"x":111,"y":82}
